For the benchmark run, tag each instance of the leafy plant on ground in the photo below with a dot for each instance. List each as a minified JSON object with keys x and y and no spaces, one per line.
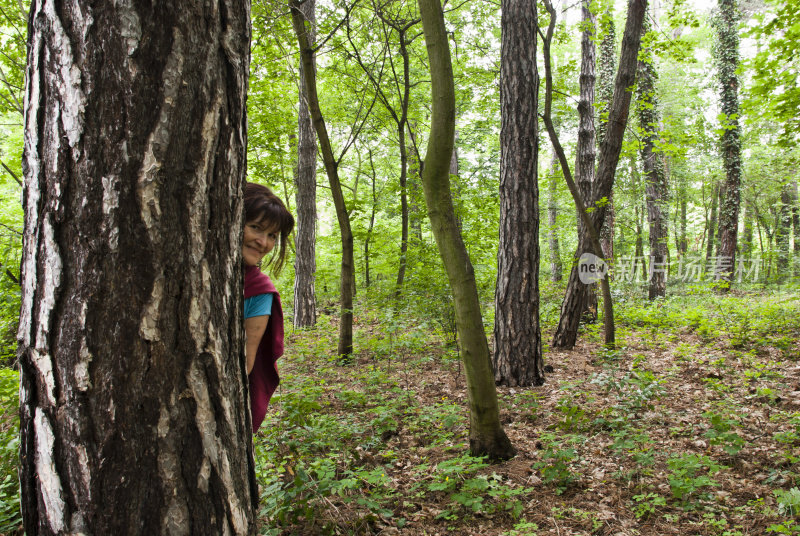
{"x":690,"y":475}
{"x":722,"y":432}
{"x":555,"y":463}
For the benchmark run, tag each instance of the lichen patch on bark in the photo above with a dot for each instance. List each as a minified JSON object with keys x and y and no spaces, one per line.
{"x":49,"y":480}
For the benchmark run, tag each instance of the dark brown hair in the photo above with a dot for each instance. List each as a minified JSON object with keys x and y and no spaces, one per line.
{"x":260,"y":204}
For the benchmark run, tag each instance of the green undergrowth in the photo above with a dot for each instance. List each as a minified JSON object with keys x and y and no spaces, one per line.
{"x":672,"y":429}
{"x":382,"y":443}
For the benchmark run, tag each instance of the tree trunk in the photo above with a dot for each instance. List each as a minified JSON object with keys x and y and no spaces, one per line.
{"x":486,"y":435}
{"x":654,"y":175}
{"x":585,"y":152}
{"x":712,"y":223}
{"x":305,"y":263}
{"x":517,"y":357}
{"x":416,"y":208}
{"x":682,"y":243}
{"x":345,"y":348}
{"x":747,"y":238}
{"x":373,"y":208}
{"x":783,"y":230}
{"x":796,"y":228}
{"x":567,"y":330}
{"x":605,"y":92}
{"x":133,"y":407}
{"x":727,"y":56}
{"x":556,"y":267}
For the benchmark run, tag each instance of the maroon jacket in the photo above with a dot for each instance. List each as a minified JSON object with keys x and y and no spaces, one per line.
{"x":264,"y":377}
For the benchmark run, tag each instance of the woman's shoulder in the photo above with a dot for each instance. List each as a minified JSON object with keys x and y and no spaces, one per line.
{"x":256,"y":282}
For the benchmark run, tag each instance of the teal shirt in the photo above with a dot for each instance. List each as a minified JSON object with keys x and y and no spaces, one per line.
{"x":258,"y":305}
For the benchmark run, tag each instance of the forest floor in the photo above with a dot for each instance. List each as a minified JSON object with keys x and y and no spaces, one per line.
{"x":690,"y":427}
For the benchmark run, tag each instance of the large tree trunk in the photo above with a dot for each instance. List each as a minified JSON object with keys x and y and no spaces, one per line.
{"x":585,"y":151}
{"x":567,"y":330}
{"x":347,"y":277}
{"x":517,"y":356}
{"x":556,"y":267}
{"x":486,"y":435}
{"x":133,"y":406}
{"x":654,"y":174}
{"x":727,"y":56}
{"x":305,"y":263}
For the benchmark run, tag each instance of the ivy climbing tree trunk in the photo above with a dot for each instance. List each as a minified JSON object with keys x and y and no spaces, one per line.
{"x":726,"y":54}
{"x":347,"y":275}
{"x":607,"y":66}
{"x":486,"y":435}
{"x":655,"y":176}
{"x":517,"y":356}
{"x":133,"y":409}
{"x":305,"y":263}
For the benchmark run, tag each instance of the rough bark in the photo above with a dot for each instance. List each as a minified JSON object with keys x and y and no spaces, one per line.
{"x":556,"y":267}
{"x":567,"y":330}
{"x":517,"y":357}
{"x":727,"y":59}
{"x":133,"y":410}
{"x":486,"y":434}
{"x":654,"y":175}
{"x":346,"y":286}
{"x":305,"y":263}
{"x":585,"y":150}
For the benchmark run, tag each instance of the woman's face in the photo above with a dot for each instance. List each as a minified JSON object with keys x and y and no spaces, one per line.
{"x":259,"y":239}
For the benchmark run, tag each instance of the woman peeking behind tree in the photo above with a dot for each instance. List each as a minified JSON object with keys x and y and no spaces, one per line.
{"x":266,"y":230}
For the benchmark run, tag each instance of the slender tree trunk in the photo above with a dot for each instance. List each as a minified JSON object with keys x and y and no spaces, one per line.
{"x":683,"y":243}
{"x":747,"y":238}
{"x":517,"y":357}
{"x":346,"y":286}
{"x":556,"y":267}
{"x":415,"y":195}
{"x":654,"y":174}
{"x":486,"y":433}
{"x":783,"y":230}
{"x":368,"y":239}
{"x":401,"y":133}
{"x":585,"y":152}
{"x":639,"y":245}
{"x":727,"y":56}
{"x":305,"y":263}
{"x":796,"y":228}
{"x":567,"y":330}
{"x":712,"y":222}
{"x":133,"y":410}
